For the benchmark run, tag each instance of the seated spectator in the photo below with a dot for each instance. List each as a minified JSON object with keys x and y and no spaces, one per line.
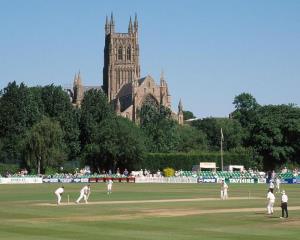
{"x":125,"y":173}
{"x":118,"y":172}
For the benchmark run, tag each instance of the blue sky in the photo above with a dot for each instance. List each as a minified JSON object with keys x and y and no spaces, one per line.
{"x":210,"y":50}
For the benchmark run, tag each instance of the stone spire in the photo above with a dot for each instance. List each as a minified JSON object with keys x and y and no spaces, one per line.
{"x":107,"y":26}
{"x":79,"y":82}
{"x":180,"y":113}
{"x":75,"y":80}
{"x":162,"y":78}
{"x":180,"y":107}
{"x":136,"y":24}
{"x":135,"y":80}
{"x":112,"y":23}
{"x":130,"y":27}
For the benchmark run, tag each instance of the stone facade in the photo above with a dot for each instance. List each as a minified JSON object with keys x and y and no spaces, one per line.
{"x":124,"y":87}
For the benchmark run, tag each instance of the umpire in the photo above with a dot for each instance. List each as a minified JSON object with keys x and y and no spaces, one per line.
{"x":284,"y":201}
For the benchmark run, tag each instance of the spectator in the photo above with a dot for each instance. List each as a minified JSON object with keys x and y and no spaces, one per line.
{"x":125,"y":173}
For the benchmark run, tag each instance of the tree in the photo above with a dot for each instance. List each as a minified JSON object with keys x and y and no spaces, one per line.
{"x":276,"y":135}
{"x":246,"y":107}
{"x":232,"y":131}
{"x":43,"y":145}
{"x":117,"y":142}
{"x":191,"y":139}
{"x":94,"y":109}
{"x":160,"y":128}
{"x":19,"y":110}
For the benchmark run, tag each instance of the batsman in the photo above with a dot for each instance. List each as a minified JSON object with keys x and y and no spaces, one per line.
{"x":84,"y":193}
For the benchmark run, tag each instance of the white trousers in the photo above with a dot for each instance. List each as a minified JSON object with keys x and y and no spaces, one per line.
{"x":224,"y":194}
{"x":270,"y":207}
{"x":109,"y":187}
{"x":58,"y":198}
{"x":82,"y":195}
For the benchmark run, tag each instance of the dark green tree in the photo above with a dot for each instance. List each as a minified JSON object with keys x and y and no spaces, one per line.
{"x":19,"y":110}
{"x":117,"y":142}
{"x":246,"y":108}
{"x":57,"y":105}
{"x":159,"y":127}
{"x":43,"y":145}
{"x":276,"y":135}
{"x":191,"y":139}
{"x":94,"y":109}
{"x":232,"y":131}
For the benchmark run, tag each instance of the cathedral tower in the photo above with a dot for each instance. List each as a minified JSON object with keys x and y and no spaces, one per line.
{"x":121,"y":57}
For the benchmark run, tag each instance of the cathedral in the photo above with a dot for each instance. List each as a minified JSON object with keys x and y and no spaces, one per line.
{"x":126,"y":90}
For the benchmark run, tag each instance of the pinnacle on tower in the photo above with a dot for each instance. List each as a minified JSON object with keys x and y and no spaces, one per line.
{"x":135,"y":79}
{"x":180,"y":107}
{"x":112,"y":18}
{"x":107,"y":25}
{"x":136,"y":25}
{"x":79,"y":78}
{"x":112,"y":23}
{"x":162,"y":78}
{"x":130,"y":28}
{"x":75,"y":80}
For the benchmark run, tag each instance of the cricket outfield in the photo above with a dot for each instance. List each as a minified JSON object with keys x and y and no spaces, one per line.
{"x":146,"y":211}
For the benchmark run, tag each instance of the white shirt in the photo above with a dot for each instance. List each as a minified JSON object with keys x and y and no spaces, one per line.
{"x":84,"y":190}
{"x":59,"y":190}
{"x":271,"y":196}
{"x":224,"y":186}
{"x":284,"y":198}
{"x":271,"y":185}
{"x":109,"y":182}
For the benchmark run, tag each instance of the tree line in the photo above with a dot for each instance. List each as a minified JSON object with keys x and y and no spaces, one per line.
{"x":41,"y":130}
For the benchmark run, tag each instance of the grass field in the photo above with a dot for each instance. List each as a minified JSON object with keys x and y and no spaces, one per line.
{"x":189,"y":211}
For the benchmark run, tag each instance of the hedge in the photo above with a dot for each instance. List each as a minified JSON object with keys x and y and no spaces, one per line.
{"x":10,"y":168}
{"x":185,"y":161}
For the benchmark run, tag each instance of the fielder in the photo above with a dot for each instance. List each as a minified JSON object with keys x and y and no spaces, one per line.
{"x":271,"y":186}
{"x":109,"y":186}
{"x":271,"y":201}
{"x":58,"y":192}
{"x":224,"y":189}
{"x":278,"y":185}
{"x":84,"y":193}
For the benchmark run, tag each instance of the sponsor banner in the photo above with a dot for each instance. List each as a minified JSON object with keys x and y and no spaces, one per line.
{"x":287,"y":180}
{"x":206,"y":180}
{"x":131,"y":180}
{"x":123,"y":179}
{"x":76,"y":180}
{"x":65,"y":180}
{"x":261,"y":180}
{"x":92,"y":180}
{"x":296,"y":180}
{"x":100,"y":180}
{"x":242,"y":180}
{"x":84,"y":180}
{"x":21,"y":180}
{"x":166,"y":180}
{"x":53,"y":180}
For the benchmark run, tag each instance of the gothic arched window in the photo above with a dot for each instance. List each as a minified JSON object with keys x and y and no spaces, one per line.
{"x":129,"y":53}
{"x":120,"y":53}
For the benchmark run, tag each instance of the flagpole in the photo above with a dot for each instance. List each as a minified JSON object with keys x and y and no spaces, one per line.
{"x":222,"y":138}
